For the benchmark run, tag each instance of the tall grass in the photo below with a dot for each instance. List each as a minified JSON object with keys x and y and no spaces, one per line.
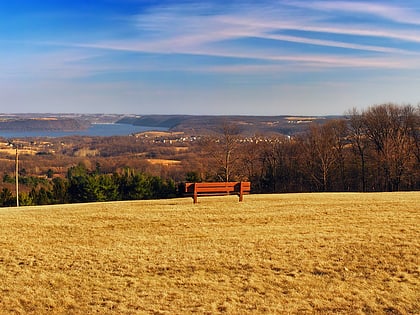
{"x":273,"y":254}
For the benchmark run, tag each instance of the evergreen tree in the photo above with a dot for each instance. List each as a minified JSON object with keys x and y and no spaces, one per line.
{"x":6,"y":198}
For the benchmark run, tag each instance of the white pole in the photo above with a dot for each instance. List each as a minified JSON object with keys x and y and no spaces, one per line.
{"x":17,"y":177}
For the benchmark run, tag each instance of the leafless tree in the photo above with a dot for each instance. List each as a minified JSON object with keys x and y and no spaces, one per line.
{"x":222,"y":153}
{"x":338,"y":127}
{"x":358,"y":139}
{"x":390,"y":128}
{"x":319,"y":145}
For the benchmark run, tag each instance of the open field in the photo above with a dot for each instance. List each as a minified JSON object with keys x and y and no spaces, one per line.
{"x":163,"y":162}
{"x":271,"y":254}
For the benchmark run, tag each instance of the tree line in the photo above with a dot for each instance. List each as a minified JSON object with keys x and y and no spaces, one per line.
{"x":82,"y":185}
{"x":372,"y":150}
{"x":377,"y":149}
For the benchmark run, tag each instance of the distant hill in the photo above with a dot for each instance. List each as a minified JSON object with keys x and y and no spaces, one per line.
{"x":161,"y":121}
{"x":189,"y":124}
{"x":247,"y":125}
{"x":45,"y":124}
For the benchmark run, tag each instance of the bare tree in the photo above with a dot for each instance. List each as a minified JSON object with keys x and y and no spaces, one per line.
{"x":270,"y":161}
{"x":358,"y":139}
{"x":339,"y":131}
{"x":390,"y":128}
{"x":251,"y":159}
{"x":222,"y":152}
{"x":229,"y":143}
{"x":320,"y":153}
{"x":415,"y":133}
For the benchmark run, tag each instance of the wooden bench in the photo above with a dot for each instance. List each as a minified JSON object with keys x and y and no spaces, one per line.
{"x":217,"y":189}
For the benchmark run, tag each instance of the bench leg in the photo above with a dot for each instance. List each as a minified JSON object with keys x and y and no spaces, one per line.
{"x":195,"y":194}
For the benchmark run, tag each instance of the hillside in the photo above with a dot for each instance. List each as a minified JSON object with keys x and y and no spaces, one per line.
{"x":54,"y":121}
{"x":189,"y":124}
{"x":43,"y":124}
{"x":271,"y":254}
{"x":247,"y":125}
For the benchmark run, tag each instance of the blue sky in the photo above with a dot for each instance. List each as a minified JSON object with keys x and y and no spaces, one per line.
{"x":283,"y":57}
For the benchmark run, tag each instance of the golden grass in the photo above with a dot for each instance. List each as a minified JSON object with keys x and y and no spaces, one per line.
{"x":11,"y":151}
{"x":160,"y":133}
{"x":274,"y":254}
{"x":163,"y":162}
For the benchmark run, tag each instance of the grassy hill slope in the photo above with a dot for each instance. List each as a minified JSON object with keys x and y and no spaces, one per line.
{"x":297,"y":253}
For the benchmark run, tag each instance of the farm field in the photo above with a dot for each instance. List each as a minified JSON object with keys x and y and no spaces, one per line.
{"x":330,"y":253}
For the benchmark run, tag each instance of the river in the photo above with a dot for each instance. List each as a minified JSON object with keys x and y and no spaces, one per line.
{"x":104,"y":130}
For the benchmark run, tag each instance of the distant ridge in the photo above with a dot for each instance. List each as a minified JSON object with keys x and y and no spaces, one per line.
{"x":190,"y":124}
{"x":162,"y":121}
{"x":44,"y":124}
{"x":247,"y":125}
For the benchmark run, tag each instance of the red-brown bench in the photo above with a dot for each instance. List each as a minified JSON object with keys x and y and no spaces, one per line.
{"x":217,"y":189}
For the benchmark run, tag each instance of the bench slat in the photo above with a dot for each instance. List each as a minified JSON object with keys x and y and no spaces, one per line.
{"x":214,"y":185}
{"x":204,"y":189}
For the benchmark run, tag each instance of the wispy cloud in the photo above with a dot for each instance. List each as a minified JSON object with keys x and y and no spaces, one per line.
{"x":306,"y":61}
{"x":337,"y":44}
{"x":398,"y":13}
{"x":311,"y":56}
{"x":53,"y":65}
{"x":204,"y":30}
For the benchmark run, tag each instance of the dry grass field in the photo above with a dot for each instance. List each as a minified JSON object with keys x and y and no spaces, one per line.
{"x":271,"y":254}
{"x":163,"y":162}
